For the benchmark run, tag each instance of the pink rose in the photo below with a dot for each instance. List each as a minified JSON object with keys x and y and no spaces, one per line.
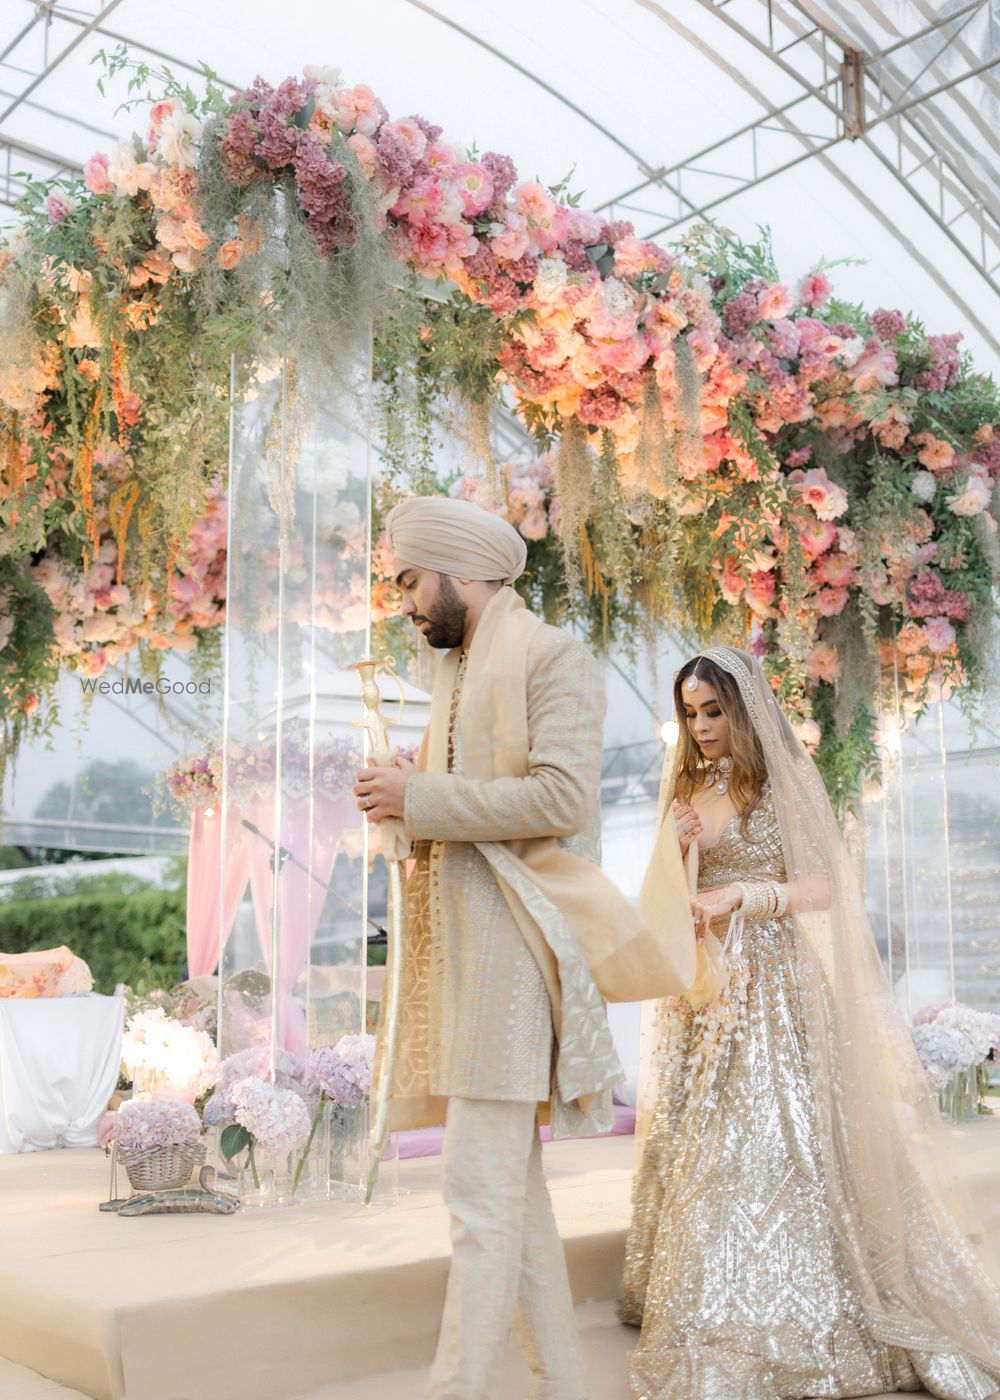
{"x":158,"y":114}
{"x":828,"y":602}
{"x":935,"y":454}
{"x":429,"y":201}
{"x":95,"y":175}
{"x":973,"y":497}
{"x":58,"y":206}
{"x":535,"y":525}
{"x":939,"y":633}
{"x":731,"y":581}
{"x":774,"y":302}
{"x":510,"y":241}
{"x":475,"y":187}
{"x":817,"y":537}
{"x":195,"y":235}
{"x":94,"y":662}
{"x":815,"y":488}
{"x":809,"y":733}
{"x":358,"y":109}
{"x":815,"y":290}
{"x":760,"y":591}
{"x":823,"y":663}
{"x":230,"y":253}
{"x":835,"y":569}
{"x":633,"y":257}
{"x":584,"y":227}
{"x":534,"y":202}
{"x":365,"y":151}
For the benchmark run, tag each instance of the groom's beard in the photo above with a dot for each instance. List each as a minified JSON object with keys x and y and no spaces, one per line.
{"x":446,"y":618}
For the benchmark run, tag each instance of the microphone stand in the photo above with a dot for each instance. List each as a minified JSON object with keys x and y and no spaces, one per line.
{"x":281,"y":854}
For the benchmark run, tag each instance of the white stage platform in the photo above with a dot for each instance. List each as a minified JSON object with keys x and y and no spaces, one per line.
{"x":312,"y":1303}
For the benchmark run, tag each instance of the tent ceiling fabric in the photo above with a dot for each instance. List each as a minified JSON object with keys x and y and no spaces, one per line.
{"x":618,"y":91}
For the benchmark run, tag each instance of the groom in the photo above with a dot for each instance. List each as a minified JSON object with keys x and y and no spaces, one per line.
{"x":501,"y":1022}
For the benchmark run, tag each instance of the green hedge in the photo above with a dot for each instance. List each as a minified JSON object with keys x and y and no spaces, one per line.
{"x":135,"y":938}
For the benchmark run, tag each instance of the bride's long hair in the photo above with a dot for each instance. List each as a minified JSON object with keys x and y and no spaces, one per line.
{"x":749,"y":767}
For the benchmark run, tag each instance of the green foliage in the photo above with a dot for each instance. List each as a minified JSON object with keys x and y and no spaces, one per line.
{"x":234,"y":1139}
{"x":138,"y":938}
{"x":844,"y":760}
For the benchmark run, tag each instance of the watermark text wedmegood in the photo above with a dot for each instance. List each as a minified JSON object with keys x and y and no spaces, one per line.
{"x":134,"y":686}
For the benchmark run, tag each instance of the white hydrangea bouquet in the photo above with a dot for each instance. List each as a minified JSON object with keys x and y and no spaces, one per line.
{"x":161,"y":1054}
{"x":953,"y":1039}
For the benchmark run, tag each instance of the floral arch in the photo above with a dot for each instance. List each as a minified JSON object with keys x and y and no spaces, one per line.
{"x":718,"y":451}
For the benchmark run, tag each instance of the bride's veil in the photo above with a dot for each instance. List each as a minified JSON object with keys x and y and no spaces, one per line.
{"x":894,"y":1194}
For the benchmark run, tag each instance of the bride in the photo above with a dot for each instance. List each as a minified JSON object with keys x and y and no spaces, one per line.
{"x":792,"y":1232}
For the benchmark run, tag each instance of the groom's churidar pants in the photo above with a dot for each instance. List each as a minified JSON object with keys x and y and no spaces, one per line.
{"x":507,"y":1259}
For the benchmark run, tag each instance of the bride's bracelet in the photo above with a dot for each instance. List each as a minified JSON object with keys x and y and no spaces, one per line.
{"x":763,"y":900}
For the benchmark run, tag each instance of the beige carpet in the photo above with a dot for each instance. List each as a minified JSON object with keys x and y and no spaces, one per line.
{"x":272,"y":1305}
{"x":605,"y":1346}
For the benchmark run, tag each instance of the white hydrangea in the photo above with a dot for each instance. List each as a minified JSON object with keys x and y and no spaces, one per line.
{"x":980,"y":1028}
{"x":851,"y":350}
{"x":943,"y":1052}
{"x":924,"y":486}
{"x":550,"y":279}
{"x":618,"y":297}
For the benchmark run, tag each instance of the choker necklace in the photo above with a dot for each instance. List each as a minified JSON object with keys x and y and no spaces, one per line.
{"x":719,"y":773}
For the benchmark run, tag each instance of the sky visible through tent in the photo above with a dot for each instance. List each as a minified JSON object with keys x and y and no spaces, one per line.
{"x":658,"y":110}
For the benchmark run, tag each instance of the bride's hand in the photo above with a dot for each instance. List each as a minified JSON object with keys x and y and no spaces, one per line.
{"x":687,"y":822}
{"x":707,"y":905}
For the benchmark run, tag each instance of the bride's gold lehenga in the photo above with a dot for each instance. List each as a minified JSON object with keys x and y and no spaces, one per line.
{"x":734,"y":1268}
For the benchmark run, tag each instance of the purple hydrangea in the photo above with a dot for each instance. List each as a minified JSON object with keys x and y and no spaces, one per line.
{"x":290,"y":1071}
{"x":945,"y":367}
{"x":502,"y":171}
{"x":138,"y":1125}
{"x":344,"y":1070}
{"x":743,"y":310}
{"x":887,"y":324}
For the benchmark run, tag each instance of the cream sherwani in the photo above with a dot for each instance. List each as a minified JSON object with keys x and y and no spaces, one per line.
{"x":488,"y":1010}
{"x":490,"y":1025}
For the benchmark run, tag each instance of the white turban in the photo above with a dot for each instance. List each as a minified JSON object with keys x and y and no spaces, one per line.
{"x":456,"y":538}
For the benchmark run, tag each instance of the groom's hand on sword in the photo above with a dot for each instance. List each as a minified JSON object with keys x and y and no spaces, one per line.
{"x":381,"y":791}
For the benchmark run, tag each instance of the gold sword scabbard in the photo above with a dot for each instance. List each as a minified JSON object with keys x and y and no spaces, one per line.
{"x":381,"y":755}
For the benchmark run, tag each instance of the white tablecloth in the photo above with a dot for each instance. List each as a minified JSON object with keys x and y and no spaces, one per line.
{"x":59,"y":1063}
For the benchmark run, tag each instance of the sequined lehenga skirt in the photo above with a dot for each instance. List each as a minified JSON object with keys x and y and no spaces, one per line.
{"x":733,"y":1266}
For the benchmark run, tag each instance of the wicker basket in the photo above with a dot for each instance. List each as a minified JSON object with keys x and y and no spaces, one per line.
{"x":162,"y":1168}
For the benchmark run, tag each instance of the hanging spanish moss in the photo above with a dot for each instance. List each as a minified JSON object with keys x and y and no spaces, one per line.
{"x":469,"y":421}
{"x":610,"y":523}
{"x":690,"y":446}
{"x":792,"y":627}
{"x":575,"y":490}
{"x":656,"y":453}
{"x":329,"y":301}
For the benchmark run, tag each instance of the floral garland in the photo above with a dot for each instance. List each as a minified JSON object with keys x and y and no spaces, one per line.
{"x":735,"y":457}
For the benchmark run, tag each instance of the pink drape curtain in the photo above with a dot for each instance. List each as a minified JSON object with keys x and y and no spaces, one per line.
{"x":248,"y":857}
{"x":205,"y":859}
{"x":300,"y":896}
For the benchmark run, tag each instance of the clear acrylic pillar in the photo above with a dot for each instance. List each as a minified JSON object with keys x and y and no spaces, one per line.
{"x":909,"y":871}
{"x":292,"y":966}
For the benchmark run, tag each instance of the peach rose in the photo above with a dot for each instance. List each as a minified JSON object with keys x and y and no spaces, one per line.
{"x":230,"y":253}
